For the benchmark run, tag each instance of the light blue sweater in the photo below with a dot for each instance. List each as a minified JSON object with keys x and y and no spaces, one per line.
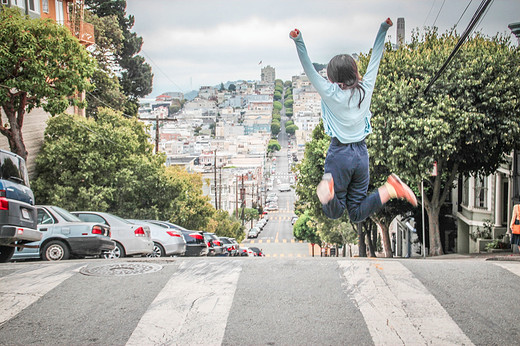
{"x":342,"y":118}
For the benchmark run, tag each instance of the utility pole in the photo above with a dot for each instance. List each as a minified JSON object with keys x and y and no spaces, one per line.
{"x":236,"y":196}
{"x":215,"y":177}
{"x":157,"y":132}
{"x":220,"y":189}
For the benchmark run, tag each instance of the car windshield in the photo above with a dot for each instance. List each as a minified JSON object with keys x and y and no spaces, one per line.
{"x":66,"y":215}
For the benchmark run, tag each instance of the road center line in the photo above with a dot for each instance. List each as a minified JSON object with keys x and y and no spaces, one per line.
{"x":195,"y":302}
{"x":397,"y":308}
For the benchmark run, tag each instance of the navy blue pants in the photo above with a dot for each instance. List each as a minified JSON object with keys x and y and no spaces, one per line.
{"x":348,"y":164}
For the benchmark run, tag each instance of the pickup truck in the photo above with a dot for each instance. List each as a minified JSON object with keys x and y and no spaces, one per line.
{"x":18,"y":216}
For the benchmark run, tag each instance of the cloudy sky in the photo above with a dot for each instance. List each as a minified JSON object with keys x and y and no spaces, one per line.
{"x":206,"y":42}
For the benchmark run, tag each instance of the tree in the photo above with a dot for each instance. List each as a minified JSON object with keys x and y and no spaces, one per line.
{"x":224,"y":225}
{"x":105,"y":165}
{"x":273,"y":145}
{"x":275,"y":127}
{"x":42,"y":65}
{"x":288,"y":102}
{"x":277,"y":96}
{"x":277,"y":105}
{"x":190,"y":208}
{"x":232,"y":87}
{"x":136,"y":75}
{"x":305,"y":228}
{"x":291,"y":129}
{"x":466,"y":122}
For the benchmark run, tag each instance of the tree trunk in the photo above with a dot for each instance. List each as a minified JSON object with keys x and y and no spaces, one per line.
{"x":361,"y":241}
{"x":435,"y":232}
{"x":370,"y":239}
{"x":14,"y":132}
{"x":387,"y":244}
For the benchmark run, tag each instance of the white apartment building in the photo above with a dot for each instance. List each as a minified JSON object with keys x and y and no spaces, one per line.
{"x":268,"y":74}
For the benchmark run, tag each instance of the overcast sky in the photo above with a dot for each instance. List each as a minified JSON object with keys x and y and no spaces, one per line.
{"x":190,"y":43}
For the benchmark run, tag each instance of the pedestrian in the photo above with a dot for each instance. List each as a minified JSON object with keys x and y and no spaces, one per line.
{"x":345,"y":103}
{"x":514,"y":228}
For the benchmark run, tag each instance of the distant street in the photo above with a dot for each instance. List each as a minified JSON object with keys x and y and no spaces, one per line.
{"x":274,"y":301}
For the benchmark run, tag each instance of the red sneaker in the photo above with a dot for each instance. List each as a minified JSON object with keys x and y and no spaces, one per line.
{"x":325,"y":189}
{"x":402,"y":190}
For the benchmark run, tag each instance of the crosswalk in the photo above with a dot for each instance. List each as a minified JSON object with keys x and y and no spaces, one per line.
{"x":201,"y":301}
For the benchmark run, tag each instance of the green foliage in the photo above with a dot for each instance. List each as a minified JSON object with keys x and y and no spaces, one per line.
{"x":277,"y":105}
{"x":291,"y":129}
{"x":275,"y":127}
{"x":466,"y":123}
{"x":306,"y":229}
{"x":288,"y":102}
{"x":287,"y":84}
{"x":277,"y":96}
{"x":273,"y":145}
{"x":277,"y":117}
{"x":42,"y":65}
{"x":318,"y":66}
{"x":136,"y":75}
{"x":224,"y":225}
{"x":108,"y":165}
{"x":289,"y":122}
{"x":289,"y":112}
{"x":232,"y":87}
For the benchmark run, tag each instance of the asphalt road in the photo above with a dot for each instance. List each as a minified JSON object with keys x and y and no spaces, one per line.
{"x":274,"y":301}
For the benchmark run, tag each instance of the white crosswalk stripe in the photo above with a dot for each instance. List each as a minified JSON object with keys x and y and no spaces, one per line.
{"x":24,"y":287}
{"x":196,"y":301}
{"x":397,"y":308}
{"x":513,"y":267}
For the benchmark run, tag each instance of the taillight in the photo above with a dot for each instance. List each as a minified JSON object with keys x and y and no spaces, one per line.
{"x":217,"y":243}
{"x":173,"y":233}
{"x":209,"y":244}
{"x":4,"y":203}
{"x":230,"y":249}
{"x":97,"y":230}
{"x":139,"y":232}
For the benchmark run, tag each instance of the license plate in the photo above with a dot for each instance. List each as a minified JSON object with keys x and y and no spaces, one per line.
{"x":26,"y":214}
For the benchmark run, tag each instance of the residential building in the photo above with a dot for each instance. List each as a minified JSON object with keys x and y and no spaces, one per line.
{"x":268,"y":74}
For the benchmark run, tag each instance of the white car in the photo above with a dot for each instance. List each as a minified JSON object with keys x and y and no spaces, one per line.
{"x":253,"y":232}
{"x":130,"y":239}
{"x":166,"y":241}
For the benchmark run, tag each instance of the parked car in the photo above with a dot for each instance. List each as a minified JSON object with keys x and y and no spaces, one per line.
{"x":245,"y":251}
{"x":237,"y":246}
{"x":65,"y":235}
{"x":131,"y":239}
{"x":229,"y":246}
{"x":261,"y":223}
{"x":253,"y":232}
{"x":294,"y":219}
{"x":195,"y":244}
{"x":214,"y":244}
{"x":271,"y":207}
{"x":166,"y":241}
{"x":18,"y":223}
{"x":258,"y":252}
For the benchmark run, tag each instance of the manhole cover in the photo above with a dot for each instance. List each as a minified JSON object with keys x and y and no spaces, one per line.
{"x":121,"y":269}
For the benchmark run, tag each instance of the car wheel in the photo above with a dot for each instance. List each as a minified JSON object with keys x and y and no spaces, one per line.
{"x":118,"y":252}
{"x":6,"y":252}
{"x":158,"y":251}
{"x":55,"y":250}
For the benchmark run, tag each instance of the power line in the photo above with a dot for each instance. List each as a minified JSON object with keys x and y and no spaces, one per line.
{"x":474,"y":21}
{"x":428,"y":16}
{"x":462,"y":15}
{"x":164,"y":73}
{"x":435,"y":21}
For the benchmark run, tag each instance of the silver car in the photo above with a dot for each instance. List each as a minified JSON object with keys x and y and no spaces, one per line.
{"x":166,"y":241}
{"x":131,"y":239}
{"x":65,"y":236}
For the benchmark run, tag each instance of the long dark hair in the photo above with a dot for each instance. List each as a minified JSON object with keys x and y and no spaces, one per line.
{"x":342,"y":69}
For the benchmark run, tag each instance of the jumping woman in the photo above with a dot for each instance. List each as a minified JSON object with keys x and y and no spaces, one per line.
{"x":345,"y":107}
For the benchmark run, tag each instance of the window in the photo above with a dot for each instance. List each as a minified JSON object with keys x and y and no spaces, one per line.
{"x":45,"y":6}
{"x":465,"y":192}
{"x":44,"y":218}
{"x":481,"y":191}
{"x":5,"y":2}
{"x":34,"y":6}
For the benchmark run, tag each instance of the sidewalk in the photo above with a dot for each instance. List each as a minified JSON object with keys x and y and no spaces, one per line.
{"x":486,"y":256}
